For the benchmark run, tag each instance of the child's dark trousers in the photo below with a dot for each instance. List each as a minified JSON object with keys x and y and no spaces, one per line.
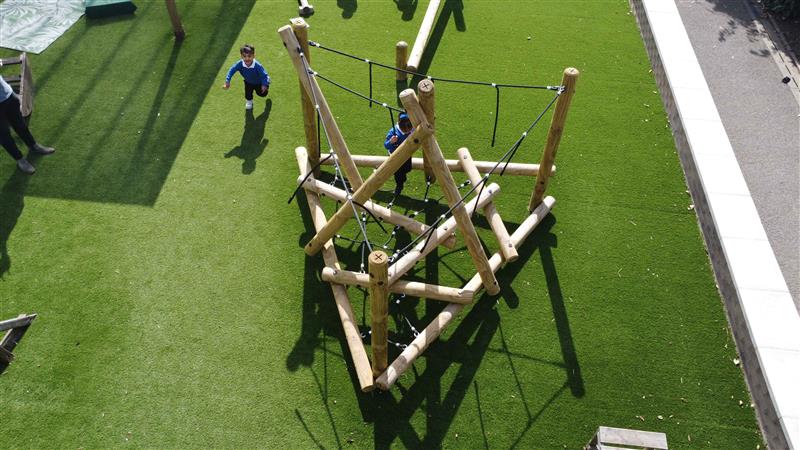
{"x":250,"y":88}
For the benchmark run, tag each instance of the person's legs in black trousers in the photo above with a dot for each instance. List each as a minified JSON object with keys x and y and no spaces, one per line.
{"x":11,"y":117}
{"x":6,"y":121}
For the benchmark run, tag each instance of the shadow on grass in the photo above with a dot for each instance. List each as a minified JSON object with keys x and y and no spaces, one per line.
{"x":12,"y":201}
{"x":253,"y":142}
{"x":348,"y":7}
{"x":429,"y":387}
{"x":120,"y":124}
{"x":407,"y":7}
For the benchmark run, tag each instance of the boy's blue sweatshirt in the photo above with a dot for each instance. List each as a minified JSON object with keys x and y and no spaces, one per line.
{"x":255,"y":74}
{"x":394,"y":131}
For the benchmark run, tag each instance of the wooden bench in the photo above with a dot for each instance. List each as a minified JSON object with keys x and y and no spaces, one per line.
{"x":22,"y":83}
{"x":608,"y":438}
{"x":15,"y":329}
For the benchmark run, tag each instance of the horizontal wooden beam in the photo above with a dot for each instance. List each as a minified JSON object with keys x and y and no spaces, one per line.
{"x":412,"y":288}
{"x":388,"y":215}
{"x":484,"y":167}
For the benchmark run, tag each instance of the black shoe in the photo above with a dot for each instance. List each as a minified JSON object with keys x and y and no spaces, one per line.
{"x":25,"y":167}
{"x":42,"y":150}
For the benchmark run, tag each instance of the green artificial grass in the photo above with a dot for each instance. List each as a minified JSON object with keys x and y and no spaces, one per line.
{"x":177,"y":308}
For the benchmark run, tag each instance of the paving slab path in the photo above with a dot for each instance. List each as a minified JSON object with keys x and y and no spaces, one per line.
{"x":744,"y":62}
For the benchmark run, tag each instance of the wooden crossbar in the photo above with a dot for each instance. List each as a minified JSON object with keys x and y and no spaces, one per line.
{"x":622,"y":438}
{"x":17,"y":322}
{"x":520,"y":169}
{"x":382,"y":212}
{"x":434,"y":329}
{"x":352,"y":335}
{"x":412,"y":288}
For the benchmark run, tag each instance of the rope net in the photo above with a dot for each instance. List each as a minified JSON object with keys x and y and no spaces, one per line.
{"x":357,"y":239}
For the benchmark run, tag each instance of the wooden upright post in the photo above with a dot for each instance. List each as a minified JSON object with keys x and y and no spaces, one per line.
{"x":554,"y":136}
{"x":428,"y":102}
{"x":379,"y":310}
{"x":177,"y":27}
{"x":300,"y":28}
{"x":401,"y":56}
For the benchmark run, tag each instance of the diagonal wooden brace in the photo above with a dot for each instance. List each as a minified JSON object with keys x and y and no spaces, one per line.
{"x":347,"y":317}
{"x":433,"y":153}
{"x":407,"y":261}
{"x":373,"y":183}
{"x":311,"y":87}
{"x":495,"y":221}
{"x":382,"y":212}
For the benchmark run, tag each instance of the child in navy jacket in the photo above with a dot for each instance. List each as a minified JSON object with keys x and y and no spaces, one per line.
{"x":255,"y":76}
{"x":396,"y":135}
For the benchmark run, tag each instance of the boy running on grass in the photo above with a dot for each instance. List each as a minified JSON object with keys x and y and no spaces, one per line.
{"x":255,"y":76}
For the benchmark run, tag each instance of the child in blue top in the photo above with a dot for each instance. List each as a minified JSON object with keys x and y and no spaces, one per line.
{"x":255,"y":76}
{"x":396,"y":135}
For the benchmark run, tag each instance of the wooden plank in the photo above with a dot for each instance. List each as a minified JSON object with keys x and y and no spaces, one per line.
{"x":347,"y":317}
{"x":311,"y":87}
{"x":423,"y":35}
{"x":20,"y":321}
{"x":10,"y":61}
{"x":412,"y":288}
{"x":26,"y":87}
{"x":634,"y":438}
{"x":484,"y":167}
